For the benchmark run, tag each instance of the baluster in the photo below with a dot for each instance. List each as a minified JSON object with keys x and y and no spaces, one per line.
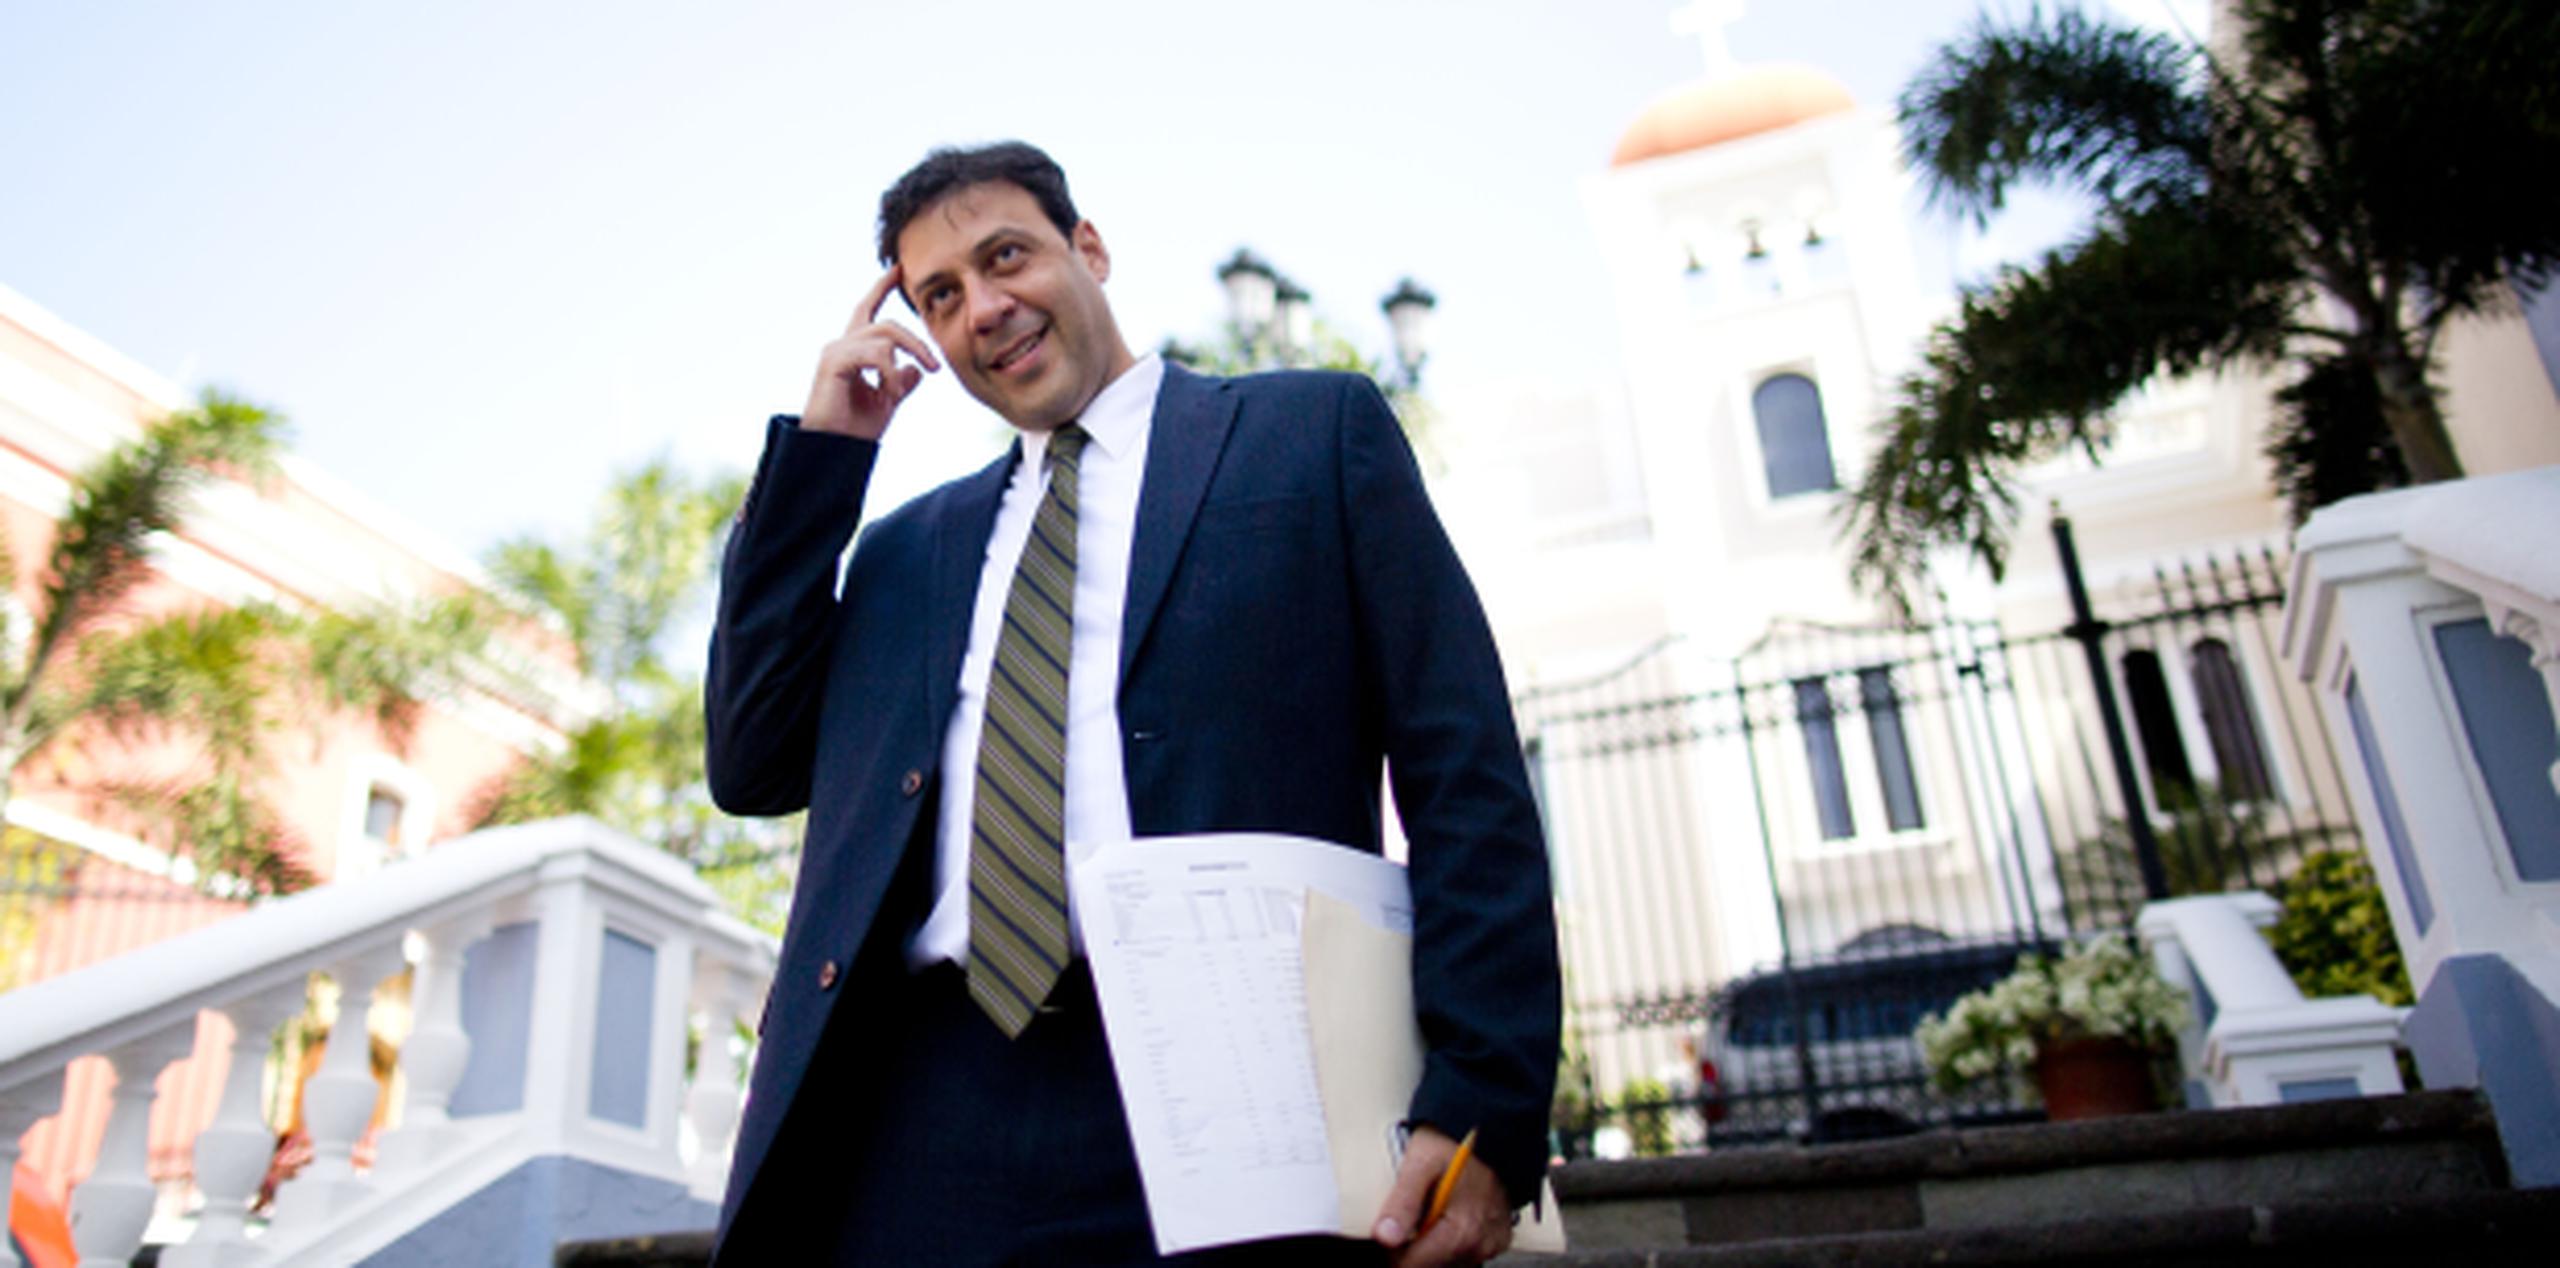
{"x":338,"y":1102}
{"x":713,"y":1101}
{"x":232,"y":1155}
{"x":20,"y":1107}
{"x":110,"y":1209}
{"x":436,"y":1053}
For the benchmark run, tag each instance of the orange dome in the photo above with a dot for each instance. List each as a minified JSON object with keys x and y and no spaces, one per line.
{"x":1752,"y":101}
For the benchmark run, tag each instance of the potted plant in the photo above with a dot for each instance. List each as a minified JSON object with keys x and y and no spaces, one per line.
{"x":2091,"y":1026}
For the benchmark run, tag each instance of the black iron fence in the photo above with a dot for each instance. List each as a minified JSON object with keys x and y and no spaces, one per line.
{"x":1769,"y":867}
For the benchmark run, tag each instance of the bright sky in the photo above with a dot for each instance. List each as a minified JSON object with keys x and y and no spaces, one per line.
{"x":484,"y":252}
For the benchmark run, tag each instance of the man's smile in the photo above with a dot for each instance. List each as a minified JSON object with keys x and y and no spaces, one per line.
{"x":1020,"y":350}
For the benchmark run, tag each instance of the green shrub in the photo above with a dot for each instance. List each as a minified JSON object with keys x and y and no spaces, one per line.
{"x":2335,"y":934}
{"x":1644,"y":1106}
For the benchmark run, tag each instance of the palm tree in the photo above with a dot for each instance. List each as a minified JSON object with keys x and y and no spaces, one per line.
{"x":620,"y":591}
{"x":225,"y":678}
{"x":2352,"y":177}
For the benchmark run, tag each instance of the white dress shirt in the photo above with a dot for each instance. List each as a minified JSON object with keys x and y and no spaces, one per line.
{"x":1108,"y":477}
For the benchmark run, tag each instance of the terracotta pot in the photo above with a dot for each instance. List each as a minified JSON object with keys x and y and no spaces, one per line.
{"x":2094,"y":1078}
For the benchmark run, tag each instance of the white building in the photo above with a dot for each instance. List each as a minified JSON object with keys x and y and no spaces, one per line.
{"x":1717,"y":713}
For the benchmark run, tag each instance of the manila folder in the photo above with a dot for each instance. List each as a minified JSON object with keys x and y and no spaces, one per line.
{"x":1368,"y":1058}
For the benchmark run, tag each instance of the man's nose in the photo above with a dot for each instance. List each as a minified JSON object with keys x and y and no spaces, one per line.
{"x":989,"y":306}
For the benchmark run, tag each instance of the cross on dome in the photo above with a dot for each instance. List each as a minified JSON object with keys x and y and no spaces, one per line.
{"x":1708,"y":20}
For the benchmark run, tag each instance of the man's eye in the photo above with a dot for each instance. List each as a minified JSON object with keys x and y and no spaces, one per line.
{"x":1008,"y":253}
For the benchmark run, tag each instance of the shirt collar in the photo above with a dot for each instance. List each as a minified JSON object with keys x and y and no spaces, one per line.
{"x":1116,"y":418}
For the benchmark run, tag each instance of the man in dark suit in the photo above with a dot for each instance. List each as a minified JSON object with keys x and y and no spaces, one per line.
{"x":1177,"y":605}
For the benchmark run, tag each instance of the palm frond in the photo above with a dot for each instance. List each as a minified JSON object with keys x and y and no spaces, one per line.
{"x":541,"y":577}
{"x":386,"y":660}
{"x":234,"y":838}
{"x":207,"y":673}
{"x":2061,"y":99}
{"x":102,"y":542}
{"x":2033,"y":362}
{"x":2330,"y":440}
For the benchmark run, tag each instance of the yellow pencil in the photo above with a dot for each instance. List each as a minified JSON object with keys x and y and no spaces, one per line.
{"x":1449,"y":1179}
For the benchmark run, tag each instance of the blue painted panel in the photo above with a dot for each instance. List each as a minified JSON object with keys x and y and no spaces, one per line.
{"x":522,"y":1217}
{"x":626,"y":992}
{"x":2386,"y":802}
{"x":2507,"y":717}
{"x":2480,"y":1024}
{"x":2300,"y":1090}
{"x":497,"y":1012}
{"x":2542,"y":317}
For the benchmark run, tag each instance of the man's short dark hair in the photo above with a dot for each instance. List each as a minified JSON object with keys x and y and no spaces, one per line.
{"x":947,"y":170}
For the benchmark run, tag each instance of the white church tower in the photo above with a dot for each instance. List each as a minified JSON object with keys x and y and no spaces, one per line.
{"x":1753,"y":226}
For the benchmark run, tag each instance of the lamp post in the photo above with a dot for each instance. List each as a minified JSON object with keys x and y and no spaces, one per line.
{"x":1273,"y":318}
{"x":1408,"y":309}
{"x":1253,"y":293}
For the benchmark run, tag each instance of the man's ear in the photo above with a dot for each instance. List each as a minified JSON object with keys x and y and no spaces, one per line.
{"x":1089,"y":248}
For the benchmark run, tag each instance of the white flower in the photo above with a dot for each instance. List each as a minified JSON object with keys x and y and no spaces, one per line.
{"x":2104,"y":986}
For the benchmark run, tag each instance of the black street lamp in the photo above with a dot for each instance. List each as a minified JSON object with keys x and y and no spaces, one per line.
{"x":1408,"y":309}
{"x":1253,"y":292}
{"x":1274,"y":317}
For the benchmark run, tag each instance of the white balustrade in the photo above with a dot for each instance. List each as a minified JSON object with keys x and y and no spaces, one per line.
{"x":2263,"y":1042}
{"x":579,"y":882}
{"x":338,"y":1101}
{"x":232,"y":1154}
{"x":722,"y":996}
{"x":2428,"y":620}
{"x":437,"y":1051}
{"x":112,"y":1207}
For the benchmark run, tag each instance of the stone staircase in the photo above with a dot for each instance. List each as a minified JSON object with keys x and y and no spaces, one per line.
{"x":2331,"y":1181}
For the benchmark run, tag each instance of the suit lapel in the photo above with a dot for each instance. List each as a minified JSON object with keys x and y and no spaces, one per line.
{"x":959,"y":557}
{"x":1190,"y":427}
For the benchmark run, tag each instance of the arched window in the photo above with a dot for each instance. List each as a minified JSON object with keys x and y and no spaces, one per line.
{"x":1795,"y":443}
{"x":2230,"y":725}
{"x":1817,"y":716}
{"x":2155,"y":722}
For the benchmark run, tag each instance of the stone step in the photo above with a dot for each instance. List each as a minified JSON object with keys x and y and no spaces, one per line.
{"x":2241,"y":1185}
{"x":2480,"y":1230}
{"x":666,"y":1250}
{"x":2423,"y":1145}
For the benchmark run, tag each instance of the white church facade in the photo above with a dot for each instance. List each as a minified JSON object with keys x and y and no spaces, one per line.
{"x":1738,"y":757}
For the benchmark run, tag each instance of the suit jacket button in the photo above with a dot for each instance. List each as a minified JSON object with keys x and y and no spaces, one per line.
{"x":912,"y":784}
{"x":827,"y":976}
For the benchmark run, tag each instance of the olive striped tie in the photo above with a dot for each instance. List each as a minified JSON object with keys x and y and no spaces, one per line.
{"x":1017,"y":850}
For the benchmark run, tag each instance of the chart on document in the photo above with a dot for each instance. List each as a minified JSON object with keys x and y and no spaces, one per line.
{"x":1196,"y":946}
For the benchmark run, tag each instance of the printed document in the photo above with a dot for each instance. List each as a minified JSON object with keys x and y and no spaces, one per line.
{"x":1257,"y":993}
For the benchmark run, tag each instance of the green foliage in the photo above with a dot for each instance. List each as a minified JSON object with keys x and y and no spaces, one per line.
{"x":2330,"y":439}
{"x":1572,"y":1113}
{"x":33,"y":870}
{"x":1644,"y":1105}
{"x":2208,"y":844}
{"x":645,"y":560}
{"x":2330,"y":199}
{"x":623,"y":591}
{"x":228,"y":681}
{"x":102,"y":541}
{"x":2335,"y":935}
{"x":1235,"y":352}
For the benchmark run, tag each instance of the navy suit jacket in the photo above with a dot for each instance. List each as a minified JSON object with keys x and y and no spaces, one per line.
{"x":1295,"y":618}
